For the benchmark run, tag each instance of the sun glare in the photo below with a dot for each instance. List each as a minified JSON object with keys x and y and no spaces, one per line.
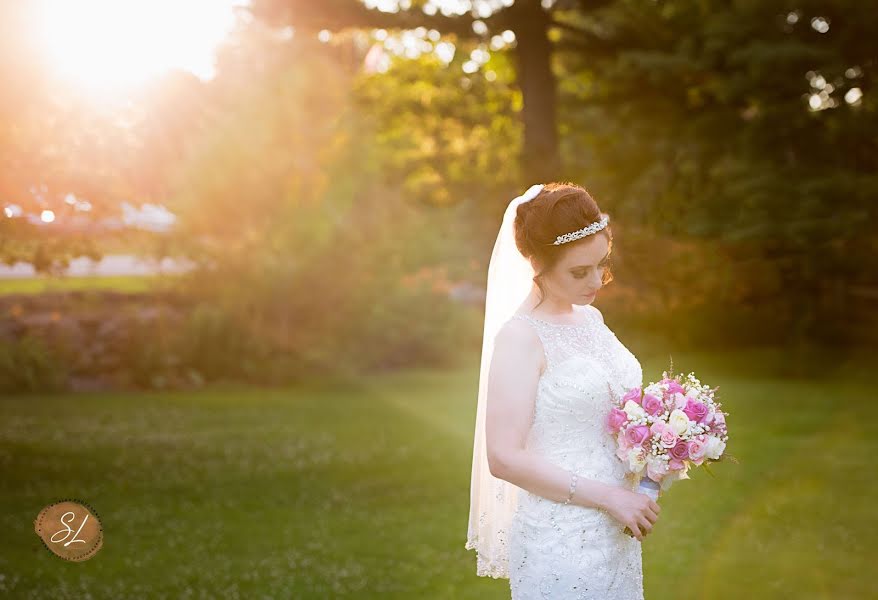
{"x":108,"y":45}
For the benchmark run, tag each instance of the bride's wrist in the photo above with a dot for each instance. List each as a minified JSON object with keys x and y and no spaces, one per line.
{"x":604,"y":498}
{"x":592,"y":493}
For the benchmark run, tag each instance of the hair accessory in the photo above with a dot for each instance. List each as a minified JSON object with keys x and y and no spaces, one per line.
{"x":581,"y":233}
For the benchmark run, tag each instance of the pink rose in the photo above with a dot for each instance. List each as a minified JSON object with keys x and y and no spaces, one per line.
{"x":652,"y":405}
{"x":633,"y":394}
{"x":695,"y":410}
{"x":668,"y":438}
{"x":622,"y":448}
{"x":697,"y":449}
{"x":674,"y":387}
{"x":675,"y":465}
{"x":680,"y":451}
{"x":658,"y":428}
{"x":616,"y":420}
{"x":637,"y":434}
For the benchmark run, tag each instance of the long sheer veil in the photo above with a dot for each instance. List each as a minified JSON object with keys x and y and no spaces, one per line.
{"x":492,"y":500}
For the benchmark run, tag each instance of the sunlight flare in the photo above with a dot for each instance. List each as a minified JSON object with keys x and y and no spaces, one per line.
{"x":105,"y":45}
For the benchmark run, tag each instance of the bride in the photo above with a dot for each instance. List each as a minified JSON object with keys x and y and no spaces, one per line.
{"x":549,"y":499}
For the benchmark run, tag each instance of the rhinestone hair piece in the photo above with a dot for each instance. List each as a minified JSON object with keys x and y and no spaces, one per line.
{"x":581,"y":233}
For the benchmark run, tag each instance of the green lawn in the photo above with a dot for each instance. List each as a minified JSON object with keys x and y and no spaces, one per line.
{"x":361,"y":489}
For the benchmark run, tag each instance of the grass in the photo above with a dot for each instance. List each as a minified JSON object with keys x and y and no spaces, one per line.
{"x":361,"y":489}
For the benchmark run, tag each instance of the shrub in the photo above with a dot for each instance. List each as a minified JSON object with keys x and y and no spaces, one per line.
{"x":27,"y":365}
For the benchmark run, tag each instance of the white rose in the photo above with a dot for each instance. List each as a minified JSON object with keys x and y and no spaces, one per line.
{"x":679,"y":422}
{"x":715,"y":447}
{"x":636,"y":460}
{"x":634,"y":410}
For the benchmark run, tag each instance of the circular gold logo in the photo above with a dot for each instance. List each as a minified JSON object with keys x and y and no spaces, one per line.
{"x":70,"y":529}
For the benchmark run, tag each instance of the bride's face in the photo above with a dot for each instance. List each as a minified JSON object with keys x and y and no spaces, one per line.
{"x":578,"y":274}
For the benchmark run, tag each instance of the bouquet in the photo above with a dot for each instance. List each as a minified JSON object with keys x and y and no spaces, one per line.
{"x":666,"y":428}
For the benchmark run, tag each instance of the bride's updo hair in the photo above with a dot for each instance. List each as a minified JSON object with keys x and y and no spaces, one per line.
{"x":559,"y":208}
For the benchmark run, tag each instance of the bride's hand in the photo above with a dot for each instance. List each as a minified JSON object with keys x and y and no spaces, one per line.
{"x":638,"y":512}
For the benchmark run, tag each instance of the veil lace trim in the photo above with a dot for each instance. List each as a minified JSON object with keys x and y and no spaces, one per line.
{"x":493,"y":501}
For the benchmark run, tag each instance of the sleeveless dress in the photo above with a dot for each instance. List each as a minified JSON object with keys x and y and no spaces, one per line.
{"x":568,"y":551}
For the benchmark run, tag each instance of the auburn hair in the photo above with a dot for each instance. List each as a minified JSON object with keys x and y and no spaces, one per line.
{"x":559,"y":208}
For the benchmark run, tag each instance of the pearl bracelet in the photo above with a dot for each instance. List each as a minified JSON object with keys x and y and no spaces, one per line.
{"x":573,"y":479}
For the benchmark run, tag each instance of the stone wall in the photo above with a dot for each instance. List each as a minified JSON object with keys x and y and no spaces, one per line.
{"x":93,"y":335}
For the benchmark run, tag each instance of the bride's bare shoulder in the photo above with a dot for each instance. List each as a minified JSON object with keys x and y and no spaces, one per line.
{"x":517,"y":341}
{"x":518,"y":330}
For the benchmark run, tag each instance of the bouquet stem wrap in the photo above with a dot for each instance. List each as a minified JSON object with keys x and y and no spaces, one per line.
{"x":649,"y":487}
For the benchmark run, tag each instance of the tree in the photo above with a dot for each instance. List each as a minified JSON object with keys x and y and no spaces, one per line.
{"x":751,"y":125}
{"x":530,"y":20}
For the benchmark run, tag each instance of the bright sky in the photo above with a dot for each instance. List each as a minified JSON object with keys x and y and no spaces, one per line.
{"x":109,"y":45}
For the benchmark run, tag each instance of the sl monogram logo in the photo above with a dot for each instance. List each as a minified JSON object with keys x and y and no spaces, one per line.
{"x":70,"y":529}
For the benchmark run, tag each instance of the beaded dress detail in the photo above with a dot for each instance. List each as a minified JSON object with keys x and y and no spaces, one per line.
{"x":568,"y":551}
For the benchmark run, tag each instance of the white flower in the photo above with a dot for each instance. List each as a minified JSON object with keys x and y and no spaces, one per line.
{"x":679,"y":422}
{"x":654,"y":389}
{"x":636,"y":460}
{"x":715,"y":447}
{"x":657,"y":464}
{"x":711,"y":411}
{"x":634,"y":410}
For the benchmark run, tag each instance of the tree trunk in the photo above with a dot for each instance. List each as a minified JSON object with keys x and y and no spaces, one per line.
{"x":540,"y":160}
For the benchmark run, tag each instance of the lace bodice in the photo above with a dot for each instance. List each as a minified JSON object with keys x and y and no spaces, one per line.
{"x":586,"y":367}
{"x":570,"y":551}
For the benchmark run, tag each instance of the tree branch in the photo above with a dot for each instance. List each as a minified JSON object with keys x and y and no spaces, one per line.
{"x":568,"y":27}
{"x":586,"y":48}
{"x":338,"y":15}
{"x":583,"y":41}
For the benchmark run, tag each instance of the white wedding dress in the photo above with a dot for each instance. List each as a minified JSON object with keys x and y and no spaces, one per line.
{"x":560,"y":551}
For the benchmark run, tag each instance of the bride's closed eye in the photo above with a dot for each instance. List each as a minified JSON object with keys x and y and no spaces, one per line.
{"x":603,"y":264}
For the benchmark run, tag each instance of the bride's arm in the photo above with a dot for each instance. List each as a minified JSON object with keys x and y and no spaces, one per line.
{"x":512,"y":387}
